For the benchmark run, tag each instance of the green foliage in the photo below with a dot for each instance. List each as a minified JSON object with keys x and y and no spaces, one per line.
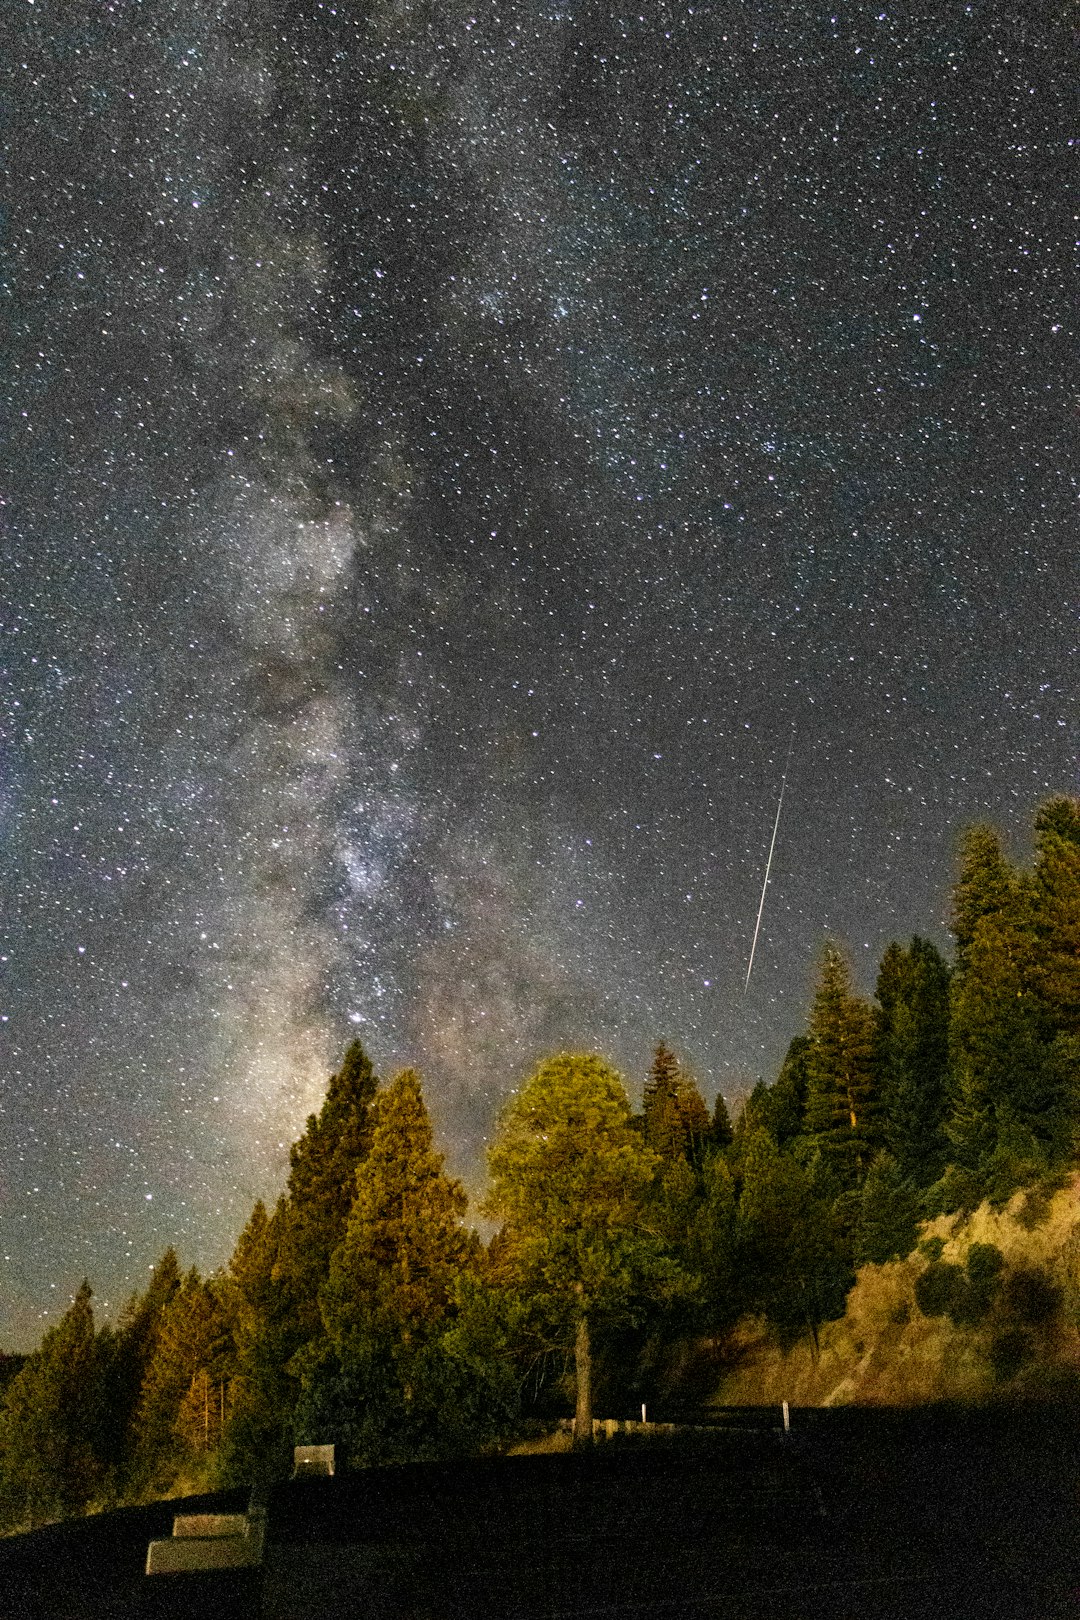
{"x":127,"y":1353}
{"x":323,"y":1165}
{"x":1031,"y":1296}
{"x":963,"y":1293}
{"x":404,"y":1244}
{"x":911,"y":1057}
{"x":712,"y":1253}
{"x":676,"y":1121}
{"x":51,"y":1423}
{"x":722,"y":1134}
{"x":889,"y":1214}
{"x":841,"y":1107}
{"x":190,"y":1354}
{"x":792,"y":1266}
{"x":939,"y":1287}
{"x":416,"y":1363}
{"x":258,"y":1430}
{"x":787,"y":1098}
{"x":571,"y":1181}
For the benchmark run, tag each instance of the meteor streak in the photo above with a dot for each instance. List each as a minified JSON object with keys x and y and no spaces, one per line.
{"x":768,"y":863}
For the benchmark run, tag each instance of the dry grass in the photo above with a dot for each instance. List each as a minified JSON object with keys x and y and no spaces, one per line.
{"x":884,"y":1351}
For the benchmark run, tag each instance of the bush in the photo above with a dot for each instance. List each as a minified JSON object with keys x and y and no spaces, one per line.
{"x":1031,"y":1296}
{"x":939,"y":1288}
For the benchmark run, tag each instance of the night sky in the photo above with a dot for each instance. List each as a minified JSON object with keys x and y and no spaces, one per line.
{"x":451,"y":455}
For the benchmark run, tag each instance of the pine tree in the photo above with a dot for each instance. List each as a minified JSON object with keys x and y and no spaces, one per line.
{"x":889,"y":1212}
{"x":405,"y":1242}
{"x":127,"y":1353}
{"x":983,"y":888}
{"x":51,"y":1423}
{"x":257,"y":1439}
{"x":676,"y":1119}
{"x":712,"y":1253}
{"x":842,"y":1120}
{"x":190,"y":1351}
{"x":1056,"y":905}
{"x":792,"y":1268}
{"x":722,"y":1133}
{"x":911,"y":1057}
{"x":322,"y":1185}
{"x":571,"y":1179}
{"x":405,"y":1360}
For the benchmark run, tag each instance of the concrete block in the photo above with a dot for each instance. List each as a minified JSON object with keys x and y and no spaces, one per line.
{"x":210,"y":1524}
{"x":188,"y":1552}
{"x":312,"y":1460}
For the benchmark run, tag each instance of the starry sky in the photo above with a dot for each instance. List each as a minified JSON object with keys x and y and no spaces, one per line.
{"x":453,"y":454}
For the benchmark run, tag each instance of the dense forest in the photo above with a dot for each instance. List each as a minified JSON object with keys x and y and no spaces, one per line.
{"x":907,"y":1175}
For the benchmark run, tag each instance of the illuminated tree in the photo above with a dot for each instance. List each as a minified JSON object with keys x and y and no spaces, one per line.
{"x":570,"y":1179}
{"x":841,"y":1113}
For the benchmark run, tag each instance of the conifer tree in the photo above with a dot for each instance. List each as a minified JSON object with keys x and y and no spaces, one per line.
{"x":675,"y":1116}
{"x":258,"y":1429}
{"x":712,"y":1254}
{"x":722,"y":1133}
{"x":984,"y":887}
{"x":127,"y":1354}
{"x":889,"y":1212}
{"x":408,"y":1332}
{"x":190,"y":1350}
{"x":792,"y":1266}
{"x":51,"y":1423}
{"x":911,"y":1057}
{"x":570,"y":1178}
{"x":405,"y":1242}
{"x":322,"y":1185}
{"x":842,"y":1119}
{"x":1056,"y":900}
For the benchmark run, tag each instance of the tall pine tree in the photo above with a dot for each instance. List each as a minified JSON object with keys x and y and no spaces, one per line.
{"x":911,"y":1058}
{"x":842,"y":1114}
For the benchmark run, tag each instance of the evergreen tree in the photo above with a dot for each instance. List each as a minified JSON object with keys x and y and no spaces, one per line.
{"x":1014,"y":1111}
{"x":189,"y":1356}
{"x":405,"y":1242}
{"x":676,"y":1119}
{"x":279,"y":1327}
{"x":1056,"y":903}
{"x":842,"y":1119}
{"x":911,"y":1057}
{"x":408,"y":1336}
{"x":570,"y":1178}
{"x":712,"y":1252}
{"x":791,"y":1264}
{"x":889,"y":1211}
{"x":722,"y":1135}
{"x":127,"y":1354}
{"x":983,"y":888}
{"x":787,"y":1096}
{"x":51,"y":1423}
{"x":257,"y":1439}
{"x":322,"y":1184}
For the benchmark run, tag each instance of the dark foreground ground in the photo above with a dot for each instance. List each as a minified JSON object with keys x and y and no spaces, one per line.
{"x":899,"y":1516}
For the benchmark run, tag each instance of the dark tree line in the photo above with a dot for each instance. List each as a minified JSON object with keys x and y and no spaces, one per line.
{"x":362,"y":1309}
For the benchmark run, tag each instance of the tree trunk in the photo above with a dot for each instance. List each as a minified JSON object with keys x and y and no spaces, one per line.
{"x":583,"y":1369}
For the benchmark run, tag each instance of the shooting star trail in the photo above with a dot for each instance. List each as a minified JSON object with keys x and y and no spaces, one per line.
{"x":768,"y":863}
